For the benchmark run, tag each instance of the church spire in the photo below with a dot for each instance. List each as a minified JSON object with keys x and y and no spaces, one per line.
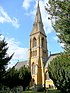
{"x":38,"y":14}
{"x":38,"y":25}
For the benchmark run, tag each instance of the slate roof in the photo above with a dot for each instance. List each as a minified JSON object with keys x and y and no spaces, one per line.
{"x":25,"y":63}
{"x":21,"y":64}
{"x":50,"y":58}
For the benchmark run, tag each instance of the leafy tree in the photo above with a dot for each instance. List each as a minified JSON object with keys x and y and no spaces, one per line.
{"x":11,"y":78}
{"x":25,"y":76}
{"x":4,"y":58}
{"x":59,"y":72}
{"x":59,"y":11}
{"x":59,"y":68}
{"x":14,"y":77}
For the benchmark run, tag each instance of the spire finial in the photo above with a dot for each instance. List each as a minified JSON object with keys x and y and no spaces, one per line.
{"x":38,"y":1}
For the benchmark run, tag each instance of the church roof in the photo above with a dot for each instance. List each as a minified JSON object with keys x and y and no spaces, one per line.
{"x":50,"y":58}
{"x":25,"y":63}
{"x":20,"y":64}
{"x":38,"y":25}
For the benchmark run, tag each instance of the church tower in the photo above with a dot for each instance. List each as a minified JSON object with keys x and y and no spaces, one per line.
{"x":38,"y":50}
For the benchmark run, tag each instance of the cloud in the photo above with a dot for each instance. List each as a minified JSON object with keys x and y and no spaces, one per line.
{"x":20,"y":53}
{"x":26,"y":4}
{"x":4,"y":18}
{"x":57,"y":39}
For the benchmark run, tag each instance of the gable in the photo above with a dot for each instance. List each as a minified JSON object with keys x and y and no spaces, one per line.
{"x":21,"y":64}
{"x":50,"y":58}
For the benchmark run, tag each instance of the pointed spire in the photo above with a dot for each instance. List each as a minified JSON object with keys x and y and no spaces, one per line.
{"x":38,"y":25}
{"x":38,"y":14}
{"x":38,"y":2}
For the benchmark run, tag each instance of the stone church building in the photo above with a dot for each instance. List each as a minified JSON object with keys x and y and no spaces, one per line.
{"x":38,"y":58}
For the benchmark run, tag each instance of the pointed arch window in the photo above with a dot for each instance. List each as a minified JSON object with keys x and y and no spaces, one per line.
{"x":42,"y":42}
{"x":47,"y":76}
{"x":34,"y":42}
{"x":34,"y":68}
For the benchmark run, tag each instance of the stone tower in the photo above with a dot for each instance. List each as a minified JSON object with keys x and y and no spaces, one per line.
{"x":38,"y":50}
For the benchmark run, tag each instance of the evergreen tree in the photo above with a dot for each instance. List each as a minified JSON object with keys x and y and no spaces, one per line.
{"x":59,"y":11}
{"x":4,"y":58}
{"x":59,"y":72}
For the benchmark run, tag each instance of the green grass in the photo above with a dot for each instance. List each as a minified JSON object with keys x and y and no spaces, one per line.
{"x":49,"y":91}
{"x":53,"y":91}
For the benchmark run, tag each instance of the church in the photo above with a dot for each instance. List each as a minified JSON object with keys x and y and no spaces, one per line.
{"x":38,"y":58}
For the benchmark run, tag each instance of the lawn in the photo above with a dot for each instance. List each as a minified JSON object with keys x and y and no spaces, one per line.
{"x":49,"y":91}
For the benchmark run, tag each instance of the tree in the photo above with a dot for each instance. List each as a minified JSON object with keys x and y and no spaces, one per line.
{"x":59,"y":72}
{"x":59,"y":68}
{"x":4,"y":58}
{"x":11,"y":78}
{"x":59,"y":11}
{"x":25,"y":76}
{"x":14,"y":77}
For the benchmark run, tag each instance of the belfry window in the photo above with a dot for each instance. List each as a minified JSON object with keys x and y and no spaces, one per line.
{"x":34,"y":42}
{"x":42,"y":42}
